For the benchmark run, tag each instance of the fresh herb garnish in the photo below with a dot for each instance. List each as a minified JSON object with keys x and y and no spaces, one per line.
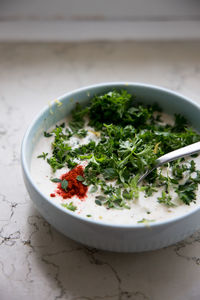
{"x":93,"y":189}
{"x":101,"y":198}
{"x":47,"y":134}
{"x":186,"y":191}
{"x":85,"y":183}
{"x":43,"y":155}
{"x":64,"y":184}
{"x":146,"y":221}
{"x":80,"y":178}
{"x":98,"y":202}
{"x":131,"y":136}
{"x":81,"y":133}
{"x":166,"y":199}
{"x":69,"y":206}
{"x":56,"y":180}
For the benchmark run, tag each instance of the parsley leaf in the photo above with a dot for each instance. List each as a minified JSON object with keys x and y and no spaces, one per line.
{"x":43,"y":155}
{"x":64,"y":184}
{"x":186,"y":191}
{"x":80,"y":178}
{"x":47,"y":134}
{"x":56,"y":180}
{"x":69,"y":206}
{"x":165,"y":199}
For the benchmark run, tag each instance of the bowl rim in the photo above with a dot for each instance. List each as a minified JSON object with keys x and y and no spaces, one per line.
{"x":100,"y":223}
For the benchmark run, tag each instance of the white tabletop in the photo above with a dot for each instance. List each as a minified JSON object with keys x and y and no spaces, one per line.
{"x":36,"y":262}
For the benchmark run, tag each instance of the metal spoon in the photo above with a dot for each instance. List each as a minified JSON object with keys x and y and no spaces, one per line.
{"x":182,"y":152}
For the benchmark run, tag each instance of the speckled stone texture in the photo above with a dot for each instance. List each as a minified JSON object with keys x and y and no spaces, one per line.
{"x":36,"y":262}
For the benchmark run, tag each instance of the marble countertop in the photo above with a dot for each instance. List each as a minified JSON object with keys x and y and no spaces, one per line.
{"x":37,"y":262}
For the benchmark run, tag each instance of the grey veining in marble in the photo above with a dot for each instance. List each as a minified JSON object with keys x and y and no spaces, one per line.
{"x":36,"y":262}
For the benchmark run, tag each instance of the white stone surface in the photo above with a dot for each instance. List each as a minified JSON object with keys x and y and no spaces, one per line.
{"x":36,"y":262}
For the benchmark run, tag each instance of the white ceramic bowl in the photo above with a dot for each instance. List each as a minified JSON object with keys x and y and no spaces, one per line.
{"x":119,"y":238}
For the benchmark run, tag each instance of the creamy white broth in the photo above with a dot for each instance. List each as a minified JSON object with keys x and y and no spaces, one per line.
{"x":141,"y":208}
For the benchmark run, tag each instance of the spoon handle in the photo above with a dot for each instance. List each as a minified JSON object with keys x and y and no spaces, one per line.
{"x":182,"y":152}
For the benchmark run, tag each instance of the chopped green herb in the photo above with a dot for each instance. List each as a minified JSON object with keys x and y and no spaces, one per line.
{"x":186,"y":191}
{"x":101,"y":198}
{"x":145,"y":221}
{"x":53,"y":162}
{"x":69,"y":206}
{"x":165,"y":199}
{"x":61,"y":125}
{"x":131,"y":136}
{"x":56,"y":180}
{"x":81,"y":133}
{"x":43,"y":155}
{"x":149,"y":190}
{"x":64,"y":184}
{"x":109,"y":173}
{"x":93,"y":189}
{"x":47,"y":134}
{"x":85,"y":183}
{"x":80,"y":178}
{"x":98,"y":202}
{"x":127,"y":195}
